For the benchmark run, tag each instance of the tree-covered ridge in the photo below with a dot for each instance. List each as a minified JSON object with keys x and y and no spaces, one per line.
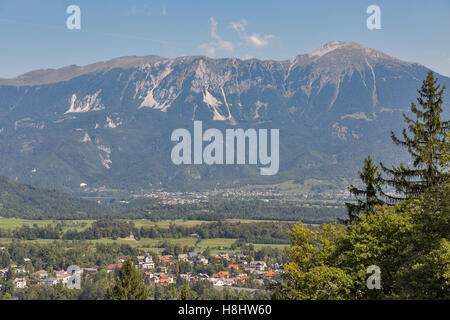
{"x":26,"y":201}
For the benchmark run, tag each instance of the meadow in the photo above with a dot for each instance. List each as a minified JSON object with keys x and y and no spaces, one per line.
{"x":146,"y":244}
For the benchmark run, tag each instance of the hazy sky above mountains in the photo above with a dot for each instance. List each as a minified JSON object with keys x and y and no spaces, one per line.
{"x":33,"y":34}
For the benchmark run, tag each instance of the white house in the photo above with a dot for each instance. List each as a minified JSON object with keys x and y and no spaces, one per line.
{"x":148,"y":265}
{"x":258,"y":265}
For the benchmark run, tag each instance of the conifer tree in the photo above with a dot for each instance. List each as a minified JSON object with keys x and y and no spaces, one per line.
{"x":185,"y":291}
{"x":129,"y":284}
{"x":427,"y":141}
{"x":368,"y":197}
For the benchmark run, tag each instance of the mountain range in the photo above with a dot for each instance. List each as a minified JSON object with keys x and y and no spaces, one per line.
{"x":108,"y":125}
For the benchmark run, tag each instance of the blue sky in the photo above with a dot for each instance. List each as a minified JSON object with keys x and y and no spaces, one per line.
{"x":33,"y":34}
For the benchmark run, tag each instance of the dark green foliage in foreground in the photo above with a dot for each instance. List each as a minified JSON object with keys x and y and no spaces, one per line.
{"x":368,"y":197}
{"x":129,"y":284}
{"x":409,"y":242}
{"x":426,"y":140}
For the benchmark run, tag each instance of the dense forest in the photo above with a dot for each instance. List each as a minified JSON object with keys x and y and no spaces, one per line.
{"x":219,"y":209}
{"x":29,"y":202}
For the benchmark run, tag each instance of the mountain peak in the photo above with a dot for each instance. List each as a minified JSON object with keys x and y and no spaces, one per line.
{"x":328,"y":47}
{"x":348,"y":47}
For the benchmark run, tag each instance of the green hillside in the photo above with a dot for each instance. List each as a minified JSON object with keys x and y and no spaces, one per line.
{"x":26,"y":201}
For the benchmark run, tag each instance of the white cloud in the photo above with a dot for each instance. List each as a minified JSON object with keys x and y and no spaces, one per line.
{"x":255,"y":40}
{"x":210,"y":48}
{"x":239,"y":26}
{"x":164,"y":11}
{"x":213,"y":27}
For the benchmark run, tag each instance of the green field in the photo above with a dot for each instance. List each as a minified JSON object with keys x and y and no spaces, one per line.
{"x":153,"y":245}
{"x":13,"y":223}
{"x":165,"y":223}
{"x":146,"y":244}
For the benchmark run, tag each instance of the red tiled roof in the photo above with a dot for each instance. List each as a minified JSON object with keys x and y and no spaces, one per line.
{"x":269,"y":273}
{"x":114,"y":266}
{"x":223,"y":273}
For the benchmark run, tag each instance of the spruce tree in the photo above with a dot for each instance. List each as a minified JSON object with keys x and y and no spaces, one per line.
{"x":368,"y":197}
{"x":129,"y":284}
{"x":426,"y":140}
{"x":185,"y":291}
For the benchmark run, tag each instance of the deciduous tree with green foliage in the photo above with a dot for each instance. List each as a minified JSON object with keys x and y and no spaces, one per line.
{"x":310,"y":273}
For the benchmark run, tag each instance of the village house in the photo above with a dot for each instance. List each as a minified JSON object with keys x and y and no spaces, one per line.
{"x":202,"y":260}
{"x":202,"y":276}
{"x":225,"y":255}
{"x":43,"y":274}
{"x":243,"y":278}
{"x":222,"y":282}
{"x":162,"y":269}
{"x":269,"y":274}
{"x":194,"y":254}
{"x":258,"y":265}
{"x":113,"y":267}
{"x":89,"y":270}
{"x":218,"y":282}
{"x":49,"y":282}
{"x":64,"y":278}
{"x":3,"y":272}
{"x":20,"y":270}
{"x":163,"y":279}
{"x":148,"y":265}
{"x":165,"y":258}
{"x":60,"y":272}
{"x":239,"y":256}
{"x":183,"y":256}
